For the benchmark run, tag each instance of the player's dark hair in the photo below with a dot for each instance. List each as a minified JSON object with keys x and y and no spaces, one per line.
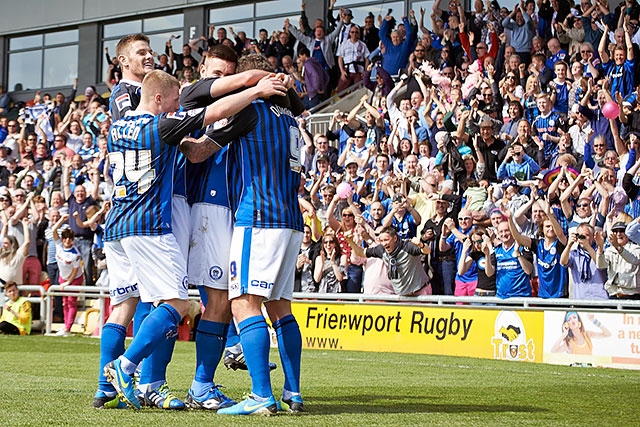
{"x":127,"y":40}
{"x":223,"y":52}
{"x":254,"y":62}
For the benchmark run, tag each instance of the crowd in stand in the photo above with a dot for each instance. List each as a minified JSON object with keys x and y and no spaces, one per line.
{"x":495,"y":153}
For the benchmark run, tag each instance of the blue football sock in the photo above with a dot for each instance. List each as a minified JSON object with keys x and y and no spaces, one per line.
{"x":204,"y":298}
{"x":154,"y":368}
{"x":232,"y":336}
{"x":142,"y":311}
{"x":290,"y":347}
{"x":111,"y":346}
{"x":161,"y":324}
{"x":254,"y":337}
{"x":210,"y":340}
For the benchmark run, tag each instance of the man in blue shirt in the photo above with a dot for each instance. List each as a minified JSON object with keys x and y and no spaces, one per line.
{"x":513,"y":264}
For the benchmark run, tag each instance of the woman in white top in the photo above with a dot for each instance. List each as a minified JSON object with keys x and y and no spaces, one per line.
{"x":12,"y":256}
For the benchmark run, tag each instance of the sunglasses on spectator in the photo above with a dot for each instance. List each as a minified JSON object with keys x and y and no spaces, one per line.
{"x":419,"y":50}
{"x":347,"y":215}
{"x":598,"y":145}
{"x":328,"y":241}
{"x":583,"y":205}
{"x":464,"y":218}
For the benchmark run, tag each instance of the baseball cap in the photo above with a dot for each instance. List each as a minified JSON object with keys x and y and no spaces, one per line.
{"x":322,"y":157}
{"x":347,"y":12}
{"x":350,"y":161}
{"x":619,"y":226}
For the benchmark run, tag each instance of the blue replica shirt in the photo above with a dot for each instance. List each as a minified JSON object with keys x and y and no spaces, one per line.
{"x":562,"y":98}
{"x":511,"y":279}
{"x":264,"y":166}
{"x":560,"y":56}
{"x":552,"y":276}
{"x":472,"y":273}
{"x":207,"y":181}
{"x":125,"y":96}
{"x":621,"y":77}
{"x":142,"y":151}
{"x":547,"y":124}
{"x":407,"y":227}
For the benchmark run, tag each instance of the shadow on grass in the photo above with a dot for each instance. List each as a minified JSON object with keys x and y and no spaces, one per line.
{"x":363,"y":404}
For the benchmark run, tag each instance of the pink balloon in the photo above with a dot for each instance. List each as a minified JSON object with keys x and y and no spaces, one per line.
{"x":344,"y":190}
{"x":610,"y":110}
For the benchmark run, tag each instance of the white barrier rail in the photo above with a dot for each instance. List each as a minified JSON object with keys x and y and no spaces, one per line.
{"x":46,"y":298}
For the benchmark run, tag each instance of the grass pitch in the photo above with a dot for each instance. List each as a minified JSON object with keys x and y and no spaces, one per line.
{"x":51,"y":381}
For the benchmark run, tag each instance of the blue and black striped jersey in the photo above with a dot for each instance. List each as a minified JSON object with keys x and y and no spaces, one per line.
{"x":264,"y":166}
{"x":207,"y":182}
{"x":142,"y":151}
{"x":125,"y":96}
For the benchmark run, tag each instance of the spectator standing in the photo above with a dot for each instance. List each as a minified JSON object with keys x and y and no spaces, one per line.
{"x":552,"y":275}
{"x":513,"y":264}
{"x":452,"y":237}
{"x":370,"y":34}
{"x":330,"y":266}
{"x":315,"y":77}
{"x":402,"y":259}
{"x":321,"y":45}
{"x":304,"y":265}
{"x":579,"y":256}
{"x":622,"y":261}
{"x":69,"y":271}
{"x":78,"y":202}
{"x":13,"y":255}
{"x":522,"y":31}
{"x":396,"y":53}
{"x":352,"y":59}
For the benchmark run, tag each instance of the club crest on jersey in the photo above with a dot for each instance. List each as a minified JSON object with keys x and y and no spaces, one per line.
{"x":123,"y":101}
{"x":194,"y":112}
{"x":220,"y":123}
{"x":215,"y":272}
{"x":185,"y":282}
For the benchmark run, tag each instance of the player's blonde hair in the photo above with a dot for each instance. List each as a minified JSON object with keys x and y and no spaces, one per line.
{"x":156,"y":82}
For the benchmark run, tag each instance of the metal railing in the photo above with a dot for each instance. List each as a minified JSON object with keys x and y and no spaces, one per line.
{"x":45,"y":301}
{"x":525,"y":303}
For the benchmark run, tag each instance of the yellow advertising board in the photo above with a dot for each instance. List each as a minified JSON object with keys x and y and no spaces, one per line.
{"x":423,"y":329}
